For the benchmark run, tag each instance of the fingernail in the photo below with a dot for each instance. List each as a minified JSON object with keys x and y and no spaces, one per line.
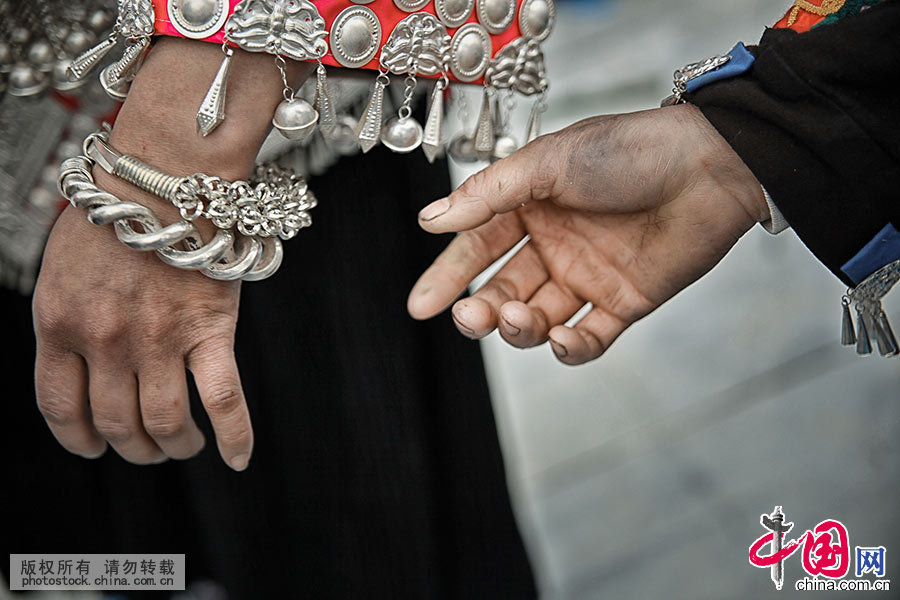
{"x":465,"y":329}
{"x":558,"y":348}
{"x":435,"y":209}
{"x":240,"y":462}
{"x":509,"y":327}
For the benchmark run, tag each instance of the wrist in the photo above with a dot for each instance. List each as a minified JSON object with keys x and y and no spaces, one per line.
{"x":717,"y":160}
{"x":157,"y":123}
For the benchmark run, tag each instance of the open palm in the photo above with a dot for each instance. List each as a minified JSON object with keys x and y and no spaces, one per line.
{"x":622,"y":211}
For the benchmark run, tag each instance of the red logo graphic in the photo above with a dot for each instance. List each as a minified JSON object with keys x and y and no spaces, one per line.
{"x":826,"y":548}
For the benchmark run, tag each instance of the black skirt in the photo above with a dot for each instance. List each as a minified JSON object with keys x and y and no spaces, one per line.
{"x":377,"y":470}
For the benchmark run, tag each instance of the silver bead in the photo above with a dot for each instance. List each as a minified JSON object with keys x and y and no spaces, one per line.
{"x":295,"y":120}
{"x":25,"y":80}
{"x":496,"y":15}
{"x":470,"y":52}
{"x":504,"y":145}
{"x":41,"y":55}
{"x":197,"y":19}
{"x":536,"y":18}
{"x":100,"y":21}
{"x":401,"y":135}
{"x":453,"y":13}
{"x":342,"y":138}
{"x":115,"y":87}
{"x":355,"y":36}
{"x":462,"y":149}
{"x":78,"y":41}
{"x":20,"y":36}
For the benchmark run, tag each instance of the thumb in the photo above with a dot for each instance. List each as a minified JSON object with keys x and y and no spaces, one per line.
{"x":522,"y":177}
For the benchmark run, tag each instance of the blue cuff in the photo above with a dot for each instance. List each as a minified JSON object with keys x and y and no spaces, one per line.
{"x":881,"y":250}
{"x":741,"y":61}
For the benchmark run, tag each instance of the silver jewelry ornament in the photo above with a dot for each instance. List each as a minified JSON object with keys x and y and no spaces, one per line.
{"x":483,"y":141}
{"x":519,"y":66}
{"x":871,"y":320}
{"x":433,"y":138}
{"x":355,"y":36}
{"x":496,"y":15}
{"x":342,"y":138}
{"x":536,"y":18}
{"x":76,"y":184}
{"x":323,"y":103}
{"x":401,"y":134}
{"x":116,"y":78}
{"x":212,"y":109}
{"x":410,"y":5}
{"x":533,"y":128}
{"x":284,"y":28}
{"x":295,"y":119}
{"x":135,"y":21}
{"x":25,"y":80}
{"x":462,"y":149}
{"x":368,"y":130}
{"x":197,"y":19}
{"x":290,"y":28}
{"x":453,"y":13}
{"x":470,"y":52}
{"x":418,"y":45}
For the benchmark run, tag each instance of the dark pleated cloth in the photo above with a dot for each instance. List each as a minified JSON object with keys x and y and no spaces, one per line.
{"x":377,"y":470}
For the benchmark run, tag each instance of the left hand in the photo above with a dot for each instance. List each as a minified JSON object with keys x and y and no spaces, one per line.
{"x":623,"y":212}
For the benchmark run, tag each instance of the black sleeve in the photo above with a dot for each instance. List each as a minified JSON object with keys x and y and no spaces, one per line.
{"x":817,"y":120}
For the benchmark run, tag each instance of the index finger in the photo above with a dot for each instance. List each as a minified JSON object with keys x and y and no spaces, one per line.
{"x":219,"y":383}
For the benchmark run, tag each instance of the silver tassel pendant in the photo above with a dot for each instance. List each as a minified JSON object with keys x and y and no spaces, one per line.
{"x":368,"y":131}
{"x":848,"y":333}
{"x":323,"y":103}
{"x":85,"y":62}
{"x":533,"y":129}
{"x":212,"y":110}
{"x":884,"y":336}
{"x":863,"y":345}
{"x":116,"y":78}
{"x":484,"y":131}
{"x":433,"y":140}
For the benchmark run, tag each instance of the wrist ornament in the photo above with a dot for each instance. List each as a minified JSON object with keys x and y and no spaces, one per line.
{"x":271,"y":206}
{"x":495,"y":43}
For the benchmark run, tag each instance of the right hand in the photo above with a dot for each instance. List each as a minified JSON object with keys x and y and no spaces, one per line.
{"x":116,"y":328}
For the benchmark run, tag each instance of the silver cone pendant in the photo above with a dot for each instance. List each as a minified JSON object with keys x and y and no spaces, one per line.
{"x":884,"y":336}
{"x":433,"y":141}
{"x":323,"y":103}
{"x":116,"y":76}
{"x":863,"y":345}
{"x":484,"y":131}
{"x":89,"y":59}
{"x":533,"y":129}
{"x":212,"y":109}
{"x":848,"y":334}
{"x":368,"y":130}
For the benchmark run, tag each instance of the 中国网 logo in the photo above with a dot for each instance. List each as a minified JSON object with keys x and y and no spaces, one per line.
{"x":825,"y":555}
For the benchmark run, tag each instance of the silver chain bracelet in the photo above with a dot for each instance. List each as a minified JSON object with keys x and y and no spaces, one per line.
{"x":274,"y":202}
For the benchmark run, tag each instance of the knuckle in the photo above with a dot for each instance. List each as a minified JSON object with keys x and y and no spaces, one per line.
{"x":57,"y":410}
{"x":165,"y":424}
{"x":114,"y":429}
{"x":223,"y":400}
{"x":105,"y":331}
{"x":49,"y":316}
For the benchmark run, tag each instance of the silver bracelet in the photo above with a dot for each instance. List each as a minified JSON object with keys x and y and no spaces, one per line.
{"x":275,"y":202}
{"x":224,"y":257}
